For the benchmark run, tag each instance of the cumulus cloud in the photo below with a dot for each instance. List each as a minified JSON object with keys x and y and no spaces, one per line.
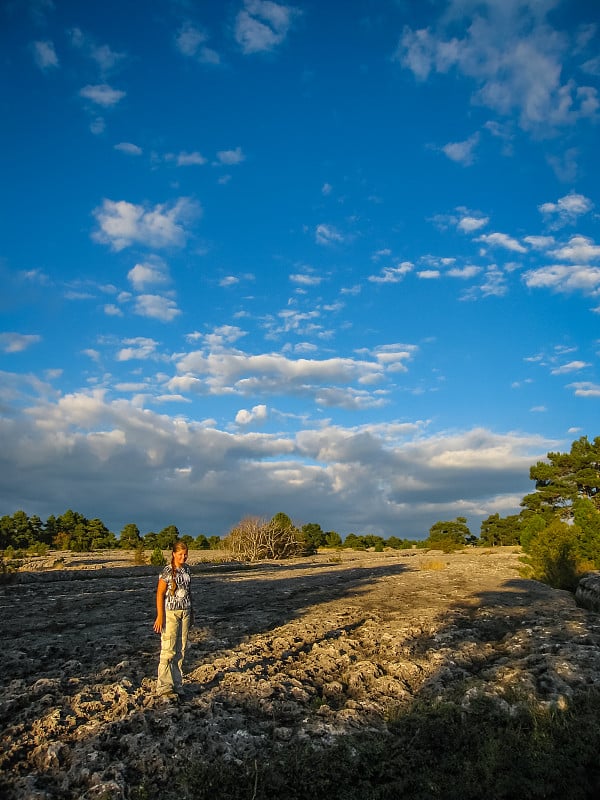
{"x":256,"y":414}
{"x":502,"y":240}
{"x":539,"y":242}
{"x":578,"y":248}
{"x":189,"y":159}
{"x":513,"y":56}
{"x":242,"y":373}
{"x":464,"y":272}
{"x":102,"y":94}
{"x":17,"y":342}
{"x":149,"y":273}
{"x":572,"y":366}
{"x":470,"y":223}
{"x":231,"y":157}
{"x":306,"y":279}
{"x":585,"y":389}
{"x":157,"y":307}
{"x":191,"y":41}
{"x":462,"y":152}
{"x":392,"y":274}
{"x":129,"y":148}
{"x":327,"y":234}
{"x":566,"y":210}
{"x":137,"y":348}
{"x":564,"y":278}
{"x":103,"y":55}
{"x":217,"y":369}
{"x":262,"y":25}
{"x":44,"y":55}
{"x":121,"y":224}
{"x":382,"y":478}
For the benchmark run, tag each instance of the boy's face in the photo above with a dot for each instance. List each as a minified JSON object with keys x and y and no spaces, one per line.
{"x":180,"y":557}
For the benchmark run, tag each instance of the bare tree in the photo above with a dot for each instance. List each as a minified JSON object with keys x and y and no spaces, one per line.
{"x":254,"y":539}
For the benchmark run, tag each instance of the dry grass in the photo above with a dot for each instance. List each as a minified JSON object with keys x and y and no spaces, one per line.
{"x":434,"y":565}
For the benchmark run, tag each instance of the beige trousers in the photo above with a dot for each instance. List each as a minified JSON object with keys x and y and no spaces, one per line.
{"x":173,"y":643}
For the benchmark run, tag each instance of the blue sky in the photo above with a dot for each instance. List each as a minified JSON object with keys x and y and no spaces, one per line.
{"x":334,"y":259}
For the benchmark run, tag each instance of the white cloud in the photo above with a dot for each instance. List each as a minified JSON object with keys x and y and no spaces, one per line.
{"x":539,"y":242}
{"x":191,"y":42}
{"x":464,"y":272}
{"x":579,"y":248}
{"x":189,"y":38}
{"x":469,"y":223}
{"x":592,"y":67}
{"x":304,"y":279}
{"x":392,"y":274}
{"x":462,"y":152}
{"x":148,"y":273}
{"x":502,"y":240}
{"x":263,"y":25}
{"x":376,"y":478}
{"x":44,"y":55}
{"x":17,"y":342}
{"x":513,"y":56}
{"x":327,"y":234}
{"x":572,"y":366}
{"x":121,"y":224}
{"x":429,"y":274}
{"x":565,"y":164}
{"x":302,"y":322}
{"x":103,"y":55}
{"x":394,"y":356}
{"x":98,"y":126}
{"x":585,"y":389}
{"x":229,"y":280}
{"x":257,"y":414}
{"x":190,"y":159}
{"x":562,"y":278}
{"x":106,"y":58}
{"x":129,"y":148}
{"x":241,"y":373}
{"x":231,"y":157}
{"x":156,"y":307}
{"x":138,"y":348}
{"x":102,"y":94}
{"x":567,"y":209}
{"x":494,"y":283}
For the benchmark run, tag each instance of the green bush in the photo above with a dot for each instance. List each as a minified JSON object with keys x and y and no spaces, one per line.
{"x":553,"y":556}
{"x":157,"y":559}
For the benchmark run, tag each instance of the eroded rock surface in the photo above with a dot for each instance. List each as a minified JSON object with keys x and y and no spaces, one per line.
{"x":310,"y":649}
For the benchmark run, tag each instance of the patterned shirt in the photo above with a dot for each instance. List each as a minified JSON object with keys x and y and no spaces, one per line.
{"x":180,"y":599}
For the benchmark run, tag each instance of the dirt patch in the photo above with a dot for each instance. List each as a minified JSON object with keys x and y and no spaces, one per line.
{"x":299,"y":651}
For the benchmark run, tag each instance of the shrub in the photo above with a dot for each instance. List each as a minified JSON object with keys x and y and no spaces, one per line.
{"x":254,"y":539}
{"x":553,"y":556}
{"x":157,"y":559}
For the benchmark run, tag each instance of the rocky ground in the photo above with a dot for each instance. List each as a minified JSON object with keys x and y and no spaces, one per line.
{"x":305,"y":650}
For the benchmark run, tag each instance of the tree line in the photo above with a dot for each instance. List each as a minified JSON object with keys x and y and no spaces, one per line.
{"x":73,"y":531}
{"x":558,"y":527}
